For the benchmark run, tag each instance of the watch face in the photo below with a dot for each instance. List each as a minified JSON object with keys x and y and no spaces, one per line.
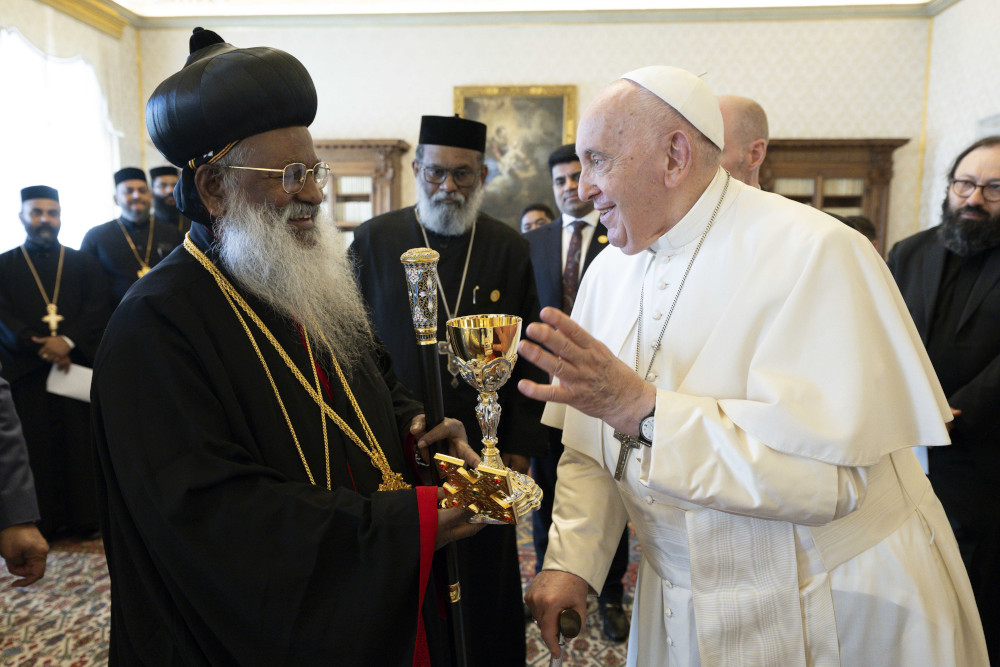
{"x":646,"y":428}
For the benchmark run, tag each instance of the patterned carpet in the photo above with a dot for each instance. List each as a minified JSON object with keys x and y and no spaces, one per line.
{"x":63,"y":620}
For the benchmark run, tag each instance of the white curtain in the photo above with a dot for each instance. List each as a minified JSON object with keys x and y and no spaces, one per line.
{"x":54,"y":130}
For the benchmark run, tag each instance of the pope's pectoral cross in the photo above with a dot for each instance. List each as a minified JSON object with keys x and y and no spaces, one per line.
{"x":444,"y":349}
{"x":53,"y":318}
{"x":628,"y":444}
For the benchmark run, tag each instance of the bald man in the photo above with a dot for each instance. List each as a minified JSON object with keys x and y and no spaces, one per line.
{"x":746,"y":138}
{"x":715,"y":388}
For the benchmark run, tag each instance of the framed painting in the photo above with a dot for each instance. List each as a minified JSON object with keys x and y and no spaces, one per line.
{"x":524,"y":124}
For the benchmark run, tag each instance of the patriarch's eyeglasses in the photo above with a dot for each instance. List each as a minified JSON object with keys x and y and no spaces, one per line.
{"x":293,"y":176}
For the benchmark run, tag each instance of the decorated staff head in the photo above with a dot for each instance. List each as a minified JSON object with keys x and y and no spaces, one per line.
{"x":450,"y":167}
{"x":40,"y":214}
{"x":223,"y":96}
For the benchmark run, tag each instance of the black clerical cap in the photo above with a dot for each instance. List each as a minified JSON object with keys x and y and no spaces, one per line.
{"x":453,"y":131}
{"x":39,"y":192}
{"x":129,"y":174}
{"x":156,"y":172}
{"x":224,"y":94}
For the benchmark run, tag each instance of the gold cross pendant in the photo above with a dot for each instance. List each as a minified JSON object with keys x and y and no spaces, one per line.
{"x":53,"y":319}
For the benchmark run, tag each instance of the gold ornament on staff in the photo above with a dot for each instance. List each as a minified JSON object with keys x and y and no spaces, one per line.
{"x":485,"y":347}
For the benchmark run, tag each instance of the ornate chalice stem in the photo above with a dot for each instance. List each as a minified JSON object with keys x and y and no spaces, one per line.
{"x":488,"y":414}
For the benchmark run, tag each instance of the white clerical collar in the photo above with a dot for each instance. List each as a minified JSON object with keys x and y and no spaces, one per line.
{"x":591,"y":219}
{"x":690,"y":227}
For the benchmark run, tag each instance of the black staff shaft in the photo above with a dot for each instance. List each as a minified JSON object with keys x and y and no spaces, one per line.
{"x":434,"y":414}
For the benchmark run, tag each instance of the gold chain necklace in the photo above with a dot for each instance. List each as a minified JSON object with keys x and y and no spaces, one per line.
{"x":391,"y":480}
{"x":143,"y":263}
{"x":52,"y":316}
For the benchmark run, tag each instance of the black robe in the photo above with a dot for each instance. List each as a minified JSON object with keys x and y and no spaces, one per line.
{"x":220,"y":550}
{"x":107,"y":243}
{"x":56,"y":429}
{"x":501,"y":269}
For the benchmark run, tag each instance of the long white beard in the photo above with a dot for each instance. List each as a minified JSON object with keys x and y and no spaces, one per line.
{"x":304,"y":275}
{"x":446,"y":219}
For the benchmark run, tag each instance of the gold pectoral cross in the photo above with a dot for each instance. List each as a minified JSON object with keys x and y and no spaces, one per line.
{"x":142,"y":271}
{"x":53,"y":318}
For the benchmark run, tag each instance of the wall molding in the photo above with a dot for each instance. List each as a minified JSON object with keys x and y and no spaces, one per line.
{"x":926,"y":10}
{"x":95,"y":13}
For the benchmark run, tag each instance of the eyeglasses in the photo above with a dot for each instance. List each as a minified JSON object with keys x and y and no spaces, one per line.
{"x":293,"y":176}
{"x":463,"y":176}
{"x":963,"y":188}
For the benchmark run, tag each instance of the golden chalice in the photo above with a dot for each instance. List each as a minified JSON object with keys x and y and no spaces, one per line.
{"x":485,"y":349}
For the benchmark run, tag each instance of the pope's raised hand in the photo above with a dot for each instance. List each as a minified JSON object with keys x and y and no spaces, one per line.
{"x":591,"y":378}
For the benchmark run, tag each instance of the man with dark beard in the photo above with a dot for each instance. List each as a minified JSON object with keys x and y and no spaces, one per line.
{"x":130,"y":245}
{"x":164,"y":205}
{"x":258,"y":492}
{"x":53,"y":308}
{"x":950,"y":279}
{"x":484,"y":268}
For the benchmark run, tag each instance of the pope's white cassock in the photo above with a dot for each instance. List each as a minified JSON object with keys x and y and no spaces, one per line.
{"x":782,"y":516}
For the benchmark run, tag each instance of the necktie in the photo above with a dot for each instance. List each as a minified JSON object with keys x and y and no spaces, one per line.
{"x":571,"y":275}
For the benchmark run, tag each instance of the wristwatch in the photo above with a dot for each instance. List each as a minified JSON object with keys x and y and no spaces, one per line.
{"x":646,"y":429}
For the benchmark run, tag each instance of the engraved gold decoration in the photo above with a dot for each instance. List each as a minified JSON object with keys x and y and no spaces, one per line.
{"x":420,"y":266}
{"x":485,"y":348}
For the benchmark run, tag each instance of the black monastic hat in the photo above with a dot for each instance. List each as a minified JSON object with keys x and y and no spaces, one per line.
{"x":222,"y":95}
{"x":156,"y":172}
{"x":39,"y":192}
{"x":129,"y":174}
{"x":453,"y":131}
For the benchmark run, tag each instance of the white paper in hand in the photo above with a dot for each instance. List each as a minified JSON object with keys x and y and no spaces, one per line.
{"x":73,"y":384}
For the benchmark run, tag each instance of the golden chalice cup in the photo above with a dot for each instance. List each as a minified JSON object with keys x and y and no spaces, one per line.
{"x":485,"y":349}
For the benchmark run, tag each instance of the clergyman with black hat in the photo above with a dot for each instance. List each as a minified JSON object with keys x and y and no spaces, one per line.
{"x":133,"y":243}
{"x":259,"y":496}
{"x":53,"y":308}
{"x":163,"y":180}
{"x":484,"y":268}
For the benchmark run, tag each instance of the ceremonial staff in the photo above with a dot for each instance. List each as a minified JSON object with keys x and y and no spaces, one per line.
{"x":420,"y":267}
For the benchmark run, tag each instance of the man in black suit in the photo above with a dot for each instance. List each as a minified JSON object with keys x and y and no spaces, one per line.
{"x":950,"y":279}
{"x":560,"y":253}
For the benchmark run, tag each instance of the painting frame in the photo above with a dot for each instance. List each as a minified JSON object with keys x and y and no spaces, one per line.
{"x":541,"y":118}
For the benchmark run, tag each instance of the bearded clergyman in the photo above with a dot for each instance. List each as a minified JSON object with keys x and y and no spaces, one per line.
{"x":484,"y":268}
{"x":950,"y":278}
{"x":258,"y":487}
{"x":53,"y":308}
{"x":133,"y":243}
{"x":741,"y":380}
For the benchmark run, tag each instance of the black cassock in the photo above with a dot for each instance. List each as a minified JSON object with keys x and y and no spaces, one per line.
{"x":220,"y":550}
{"x":56,"y":429}
{"x":500,"y":280}
{"x":107,"y":243}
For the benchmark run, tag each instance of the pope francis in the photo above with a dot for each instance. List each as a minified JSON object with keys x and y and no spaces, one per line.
{"x":743,"y":382}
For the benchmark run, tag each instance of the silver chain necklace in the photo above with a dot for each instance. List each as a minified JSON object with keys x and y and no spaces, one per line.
{"x":642,"y":294}
{"x":444,"y":349}
{"x":465,"y":269}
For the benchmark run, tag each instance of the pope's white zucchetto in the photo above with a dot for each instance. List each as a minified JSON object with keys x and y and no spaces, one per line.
{"x":685,"y":92}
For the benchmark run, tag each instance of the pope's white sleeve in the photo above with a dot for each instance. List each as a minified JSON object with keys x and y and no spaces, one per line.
{"x":701,"y":456}
{"x":587,"y":519}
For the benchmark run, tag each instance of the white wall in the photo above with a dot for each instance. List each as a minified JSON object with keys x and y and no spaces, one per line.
{"x":835,"y":78}
{"x":963,"y":89}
